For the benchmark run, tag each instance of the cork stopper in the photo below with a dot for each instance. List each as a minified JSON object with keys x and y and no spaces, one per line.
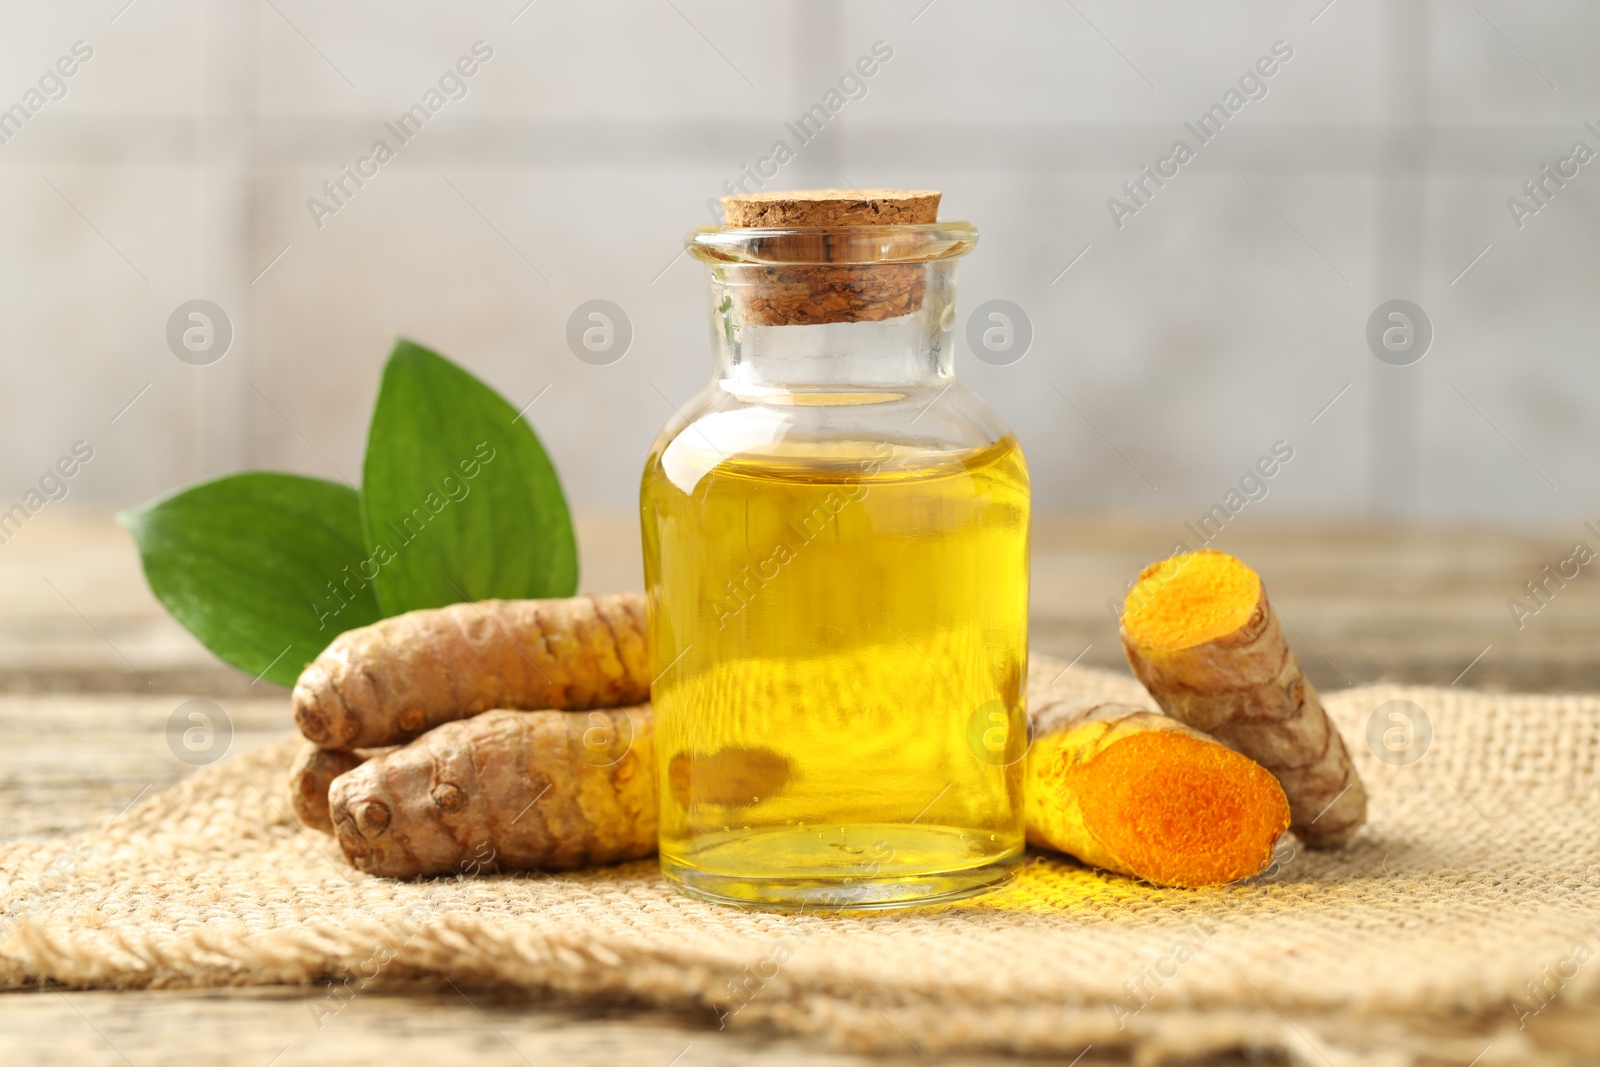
{"x":850,"y":292}
{"x":832,"y":207}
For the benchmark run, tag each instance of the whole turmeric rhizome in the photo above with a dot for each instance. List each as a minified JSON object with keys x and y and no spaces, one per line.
{"x":516,"y":735}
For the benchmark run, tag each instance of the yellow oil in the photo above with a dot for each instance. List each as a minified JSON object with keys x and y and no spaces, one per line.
{"x":840,"y":635}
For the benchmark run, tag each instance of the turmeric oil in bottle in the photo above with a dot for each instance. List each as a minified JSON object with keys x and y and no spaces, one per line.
{"x":836,"y":551}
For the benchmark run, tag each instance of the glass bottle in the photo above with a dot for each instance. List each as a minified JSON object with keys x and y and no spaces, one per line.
{"x":836,"y":553}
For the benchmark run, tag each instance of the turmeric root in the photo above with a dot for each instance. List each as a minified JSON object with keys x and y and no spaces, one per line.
{"x":386,"y":683}
{"x":1139,"y":793}
{"x":1202,"y":637}
{"x":312,"y":772}
{"x":506,"y":790}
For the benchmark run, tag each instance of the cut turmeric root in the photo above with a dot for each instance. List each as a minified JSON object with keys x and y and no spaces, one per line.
{"x":1139,"y":793}
{"x":1201,"y":635}
{"x":389,"y":682}
{"x":506,"y":790}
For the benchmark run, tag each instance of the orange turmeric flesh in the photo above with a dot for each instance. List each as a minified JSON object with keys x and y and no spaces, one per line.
{"x":1179,"y":810}
{"x":1190,"y":599}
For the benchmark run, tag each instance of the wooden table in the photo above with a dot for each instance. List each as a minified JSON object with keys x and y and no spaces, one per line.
{"x":90,"y":670}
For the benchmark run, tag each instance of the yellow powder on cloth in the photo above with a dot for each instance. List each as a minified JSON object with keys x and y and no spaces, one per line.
{"x":1190,"y":599}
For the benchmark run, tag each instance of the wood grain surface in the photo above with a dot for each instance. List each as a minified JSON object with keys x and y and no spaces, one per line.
{"x":92,"y":671}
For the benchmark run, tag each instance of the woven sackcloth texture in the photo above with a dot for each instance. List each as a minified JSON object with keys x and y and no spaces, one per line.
{"x":1478,"y":874}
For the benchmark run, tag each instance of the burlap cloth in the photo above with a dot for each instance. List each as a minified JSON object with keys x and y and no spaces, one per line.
{"x":1478,"y":874}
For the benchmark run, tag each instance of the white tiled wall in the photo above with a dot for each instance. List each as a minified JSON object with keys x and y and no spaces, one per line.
{"x":1222,"y":317}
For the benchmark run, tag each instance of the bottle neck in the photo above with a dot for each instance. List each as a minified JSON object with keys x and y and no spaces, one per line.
{"x":909,"y":350}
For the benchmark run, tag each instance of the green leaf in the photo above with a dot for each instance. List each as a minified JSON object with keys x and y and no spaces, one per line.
{"x":459,"y":500}
{"x":250,"y":564}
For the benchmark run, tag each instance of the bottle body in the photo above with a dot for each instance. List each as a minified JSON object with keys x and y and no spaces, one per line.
{"x":838,"y":598}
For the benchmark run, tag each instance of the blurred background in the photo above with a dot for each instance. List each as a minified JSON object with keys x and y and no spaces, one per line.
{"x":197,"y":152}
